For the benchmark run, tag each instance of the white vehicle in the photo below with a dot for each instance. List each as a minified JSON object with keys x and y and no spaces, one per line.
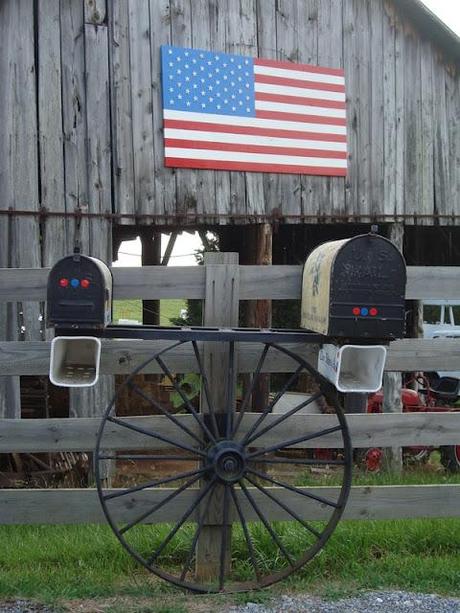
{"x":441,"y":319}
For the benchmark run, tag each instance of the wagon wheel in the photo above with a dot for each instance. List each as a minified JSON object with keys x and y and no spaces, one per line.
{"x":233,"y":471}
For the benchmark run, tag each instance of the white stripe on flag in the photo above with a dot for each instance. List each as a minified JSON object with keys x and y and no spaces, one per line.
{"x":259,"y":158}
{"x":299,"y":74}
{"x":282,"y":90}
{"x":247,"y":139}
{"x":254,"y":122}
{"x":300,"y":109}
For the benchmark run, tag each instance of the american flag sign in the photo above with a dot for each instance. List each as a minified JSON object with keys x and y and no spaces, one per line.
{"x":232,"y":112}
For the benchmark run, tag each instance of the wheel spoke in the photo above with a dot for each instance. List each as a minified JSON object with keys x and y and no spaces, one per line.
{"x":291,"y":488}
{"x":159,"y":505}
{"x":263,"y":519}
{"x":144,"y":486}
{"x":224,"y":539}
{"x":294,"y":441}
{"x":187,"y":402}
{"x":230,"y":389}
{"x":164,"y":411}
{"x":285,"y":507}
{"x":250,"y":391}
{"x":182,"y":520}
{"x":271,"y":404}
{"x":196,"y":536}
{"x":207,"y":393}
{"x":153,"y":434}
{"x":247,"y":536}
{"x":283,"y":417}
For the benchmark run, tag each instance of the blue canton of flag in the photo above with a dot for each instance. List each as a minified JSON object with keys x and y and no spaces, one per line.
{"x":206,"y":82}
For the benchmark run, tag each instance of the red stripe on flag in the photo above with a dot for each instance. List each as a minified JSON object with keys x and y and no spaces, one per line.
{"x":329,"y":87}
{"x":229,"y":129}
{"x":334,"y":121}
{"x":327,"y":104}
{"x":254,"y":167}
{"x":300,"y":67}
{"x":193,"y":144}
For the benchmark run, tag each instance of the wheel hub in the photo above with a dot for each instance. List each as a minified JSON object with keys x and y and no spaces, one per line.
{"x":228,"y":461}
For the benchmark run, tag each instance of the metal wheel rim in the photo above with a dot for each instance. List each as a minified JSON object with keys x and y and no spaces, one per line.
{"x":279,"y":575}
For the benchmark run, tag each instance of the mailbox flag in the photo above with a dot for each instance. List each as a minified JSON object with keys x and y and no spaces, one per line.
{"x":232,"y":112}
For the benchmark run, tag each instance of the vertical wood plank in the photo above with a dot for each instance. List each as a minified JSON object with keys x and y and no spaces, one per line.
{"x":220,"y":309}
{"x":51,"y":146}
{"x":392,"y":383}
{"x":141,"y":104}
{"x":426,"y":129}
{"x":389,"y":110}
{"x":74,"y":119}
{"x":350,"y":63}
{"x":400,"y":120}
{"x":413,"y":199}
{"x":164,"y":178}
{"x":98,"y":140}
{"x":376,"y":106}
{"x":122,"y":128}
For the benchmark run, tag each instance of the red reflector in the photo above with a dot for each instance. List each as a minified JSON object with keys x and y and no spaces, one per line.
{"x":373,"y":311}
{"x":356,"y":311}
{"x":63,"y":282}
{"x":84,"y":283}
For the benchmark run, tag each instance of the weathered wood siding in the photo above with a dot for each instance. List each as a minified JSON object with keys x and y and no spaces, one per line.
{"x":82,"y":119}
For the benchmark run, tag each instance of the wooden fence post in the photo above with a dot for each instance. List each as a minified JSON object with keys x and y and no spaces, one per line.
{"x":220,"y":309}
{"x":392,"y":382}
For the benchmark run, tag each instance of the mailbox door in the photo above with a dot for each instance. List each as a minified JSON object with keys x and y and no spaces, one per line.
{"x":368,"y":283}
{"x":76,"y":293}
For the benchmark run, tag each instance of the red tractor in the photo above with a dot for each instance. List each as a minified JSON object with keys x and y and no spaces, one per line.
{"x":434,"y":394}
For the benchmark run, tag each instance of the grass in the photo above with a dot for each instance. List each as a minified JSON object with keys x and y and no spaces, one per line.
{"x":56,"y":563}
{"x":132,"y":309}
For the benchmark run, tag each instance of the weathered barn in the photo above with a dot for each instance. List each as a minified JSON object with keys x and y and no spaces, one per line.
{"x":81,"y":149}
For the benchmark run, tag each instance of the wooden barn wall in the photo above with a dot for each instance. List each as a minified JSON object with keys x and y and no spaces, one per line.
{"x":403,"y":110}
{"x":55,"y":152}
{"x":82,"y":121}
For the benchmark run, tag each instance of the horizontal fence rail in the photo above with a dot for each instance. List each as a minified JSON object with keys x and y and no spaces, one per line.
{"x":367,"y":430}
{"x":123,"y":356}
{"x":256,"y":282}
{"x":81,"y":506}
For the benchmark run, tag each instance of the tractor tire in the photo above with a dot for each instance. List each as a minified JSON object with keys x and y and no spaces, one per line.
{"x":450,"y":458}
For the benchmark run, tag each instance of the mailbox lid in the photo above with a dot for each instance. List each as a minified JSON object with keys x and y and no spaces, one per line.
{"x":79,"y":292}
{"x":369,"y":276}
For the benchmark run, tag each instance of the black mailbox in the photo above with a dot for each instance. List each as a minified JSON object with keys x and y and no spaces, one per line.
{"x":355,"y":288}
{"x":79,"y":294}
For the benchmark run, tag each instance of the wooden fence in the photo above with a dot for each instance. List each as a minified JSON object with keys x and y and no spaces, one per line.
{"x":222,"y":284}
